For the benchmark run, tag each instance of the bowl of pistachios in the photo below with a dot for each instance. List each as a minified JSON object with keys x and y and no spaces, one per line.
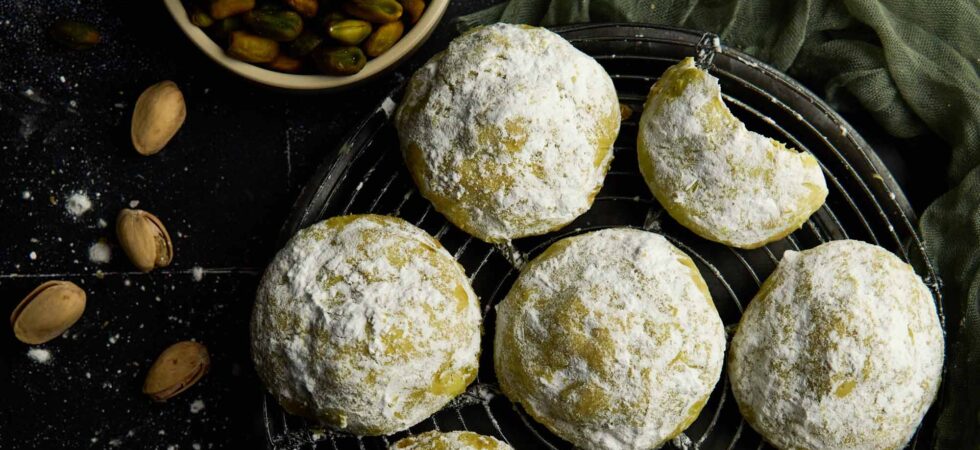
{"x":307,"y":45}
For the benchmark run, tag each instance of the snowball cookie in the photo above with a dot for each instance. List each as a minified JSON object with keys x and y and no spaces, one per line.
{"x":509,"y":132}
{"x":840,"y":349}
{"x":715,"y":177}
{"x":455,"y":440}
{"x":366,"y":324}
{"x":610,"y":340}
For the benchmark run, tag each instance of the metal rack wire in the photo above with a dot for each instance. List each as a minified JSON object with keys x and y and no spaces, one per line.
{"x":865,"y":203}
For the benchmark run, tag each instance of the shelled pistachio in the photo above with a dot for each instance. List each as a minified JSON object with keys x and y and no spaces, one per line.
{"x":280,"y":26}
{"x":248,"y":47}
{"x":377,"y":11}
{"x":198,"y":16}
{"x":383,"y":38}
{"x":306,"y":8}
{"x":221,"y":9}
{"x":413,"y":10}
{"x":339,"y":60}
{"x":284,"y":63}
{"x":350,"y":31}
{"x":303,"y":44}
{"x":221,"y":30}
{"x":75,"y":35}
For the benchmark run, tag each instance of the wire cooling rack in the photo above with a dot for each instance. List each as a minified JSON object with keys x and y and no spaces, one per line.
{"x":367,"y":175}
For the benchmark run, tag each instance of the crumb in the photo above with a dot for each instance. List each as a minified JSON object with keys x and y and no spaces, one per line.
{"x":134,"y":203}
{"x":198,"y":273}
{"x":78,"y":203}
{"x":102,"y":223}
{"x":26,"y":195}
{"x":40,"y":355}
{"x":32,"y":255}
{"x":197,"y":406}
{"x":99,"y":252}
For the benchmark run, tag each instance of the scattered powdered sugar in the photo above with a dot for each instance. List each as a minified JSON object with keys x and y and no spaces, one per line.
{"x":714,"y":176}
{"x":197,"y":272}
{"x":509,"y":131}
{"x":78,"y":203}
{"x":99,"y":252}
{"x":612,"y":337}
{"x":357,"y":317}
{"x":197,"y":406}
{"x":844,"y":351}
{"x":39,"y":355}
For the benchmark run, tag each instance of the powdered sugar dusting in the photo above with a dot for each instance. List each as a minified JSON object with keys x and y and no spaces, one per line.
{"x":39,"y":355}
{"x":509,"y":131}
{"x":452,"y":440}
{"x":357,"y":319}
{"x":717,"y":178}
{"x":845,"y":350}
{"x":610,"y":340}
{"x":78,"y":203}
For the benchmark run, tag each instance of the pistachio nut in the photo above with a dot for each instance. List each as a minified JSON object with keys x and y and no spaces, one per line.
{"x":383,"y":38}
{"x":251,"y":48}
{"x":303,"y":44}
{"x":279,"y":26}
{"x":47,"y":311}
{"x":339,"y":60}
{"x":198,"y":16}
{"x":350,"y":31}
{"x":625,"y":112}
{"x":377,"y":11}
{"x":159,"y":113}
{"x":144,"y":239}
{"x":221,"y":9}
{"x":413,"y":10}
{"x":176,"y":369}
{"x":306,"y":8}
{"x":75,"y":35}
{"x":284,"y":63}
{"x":222,"y":29}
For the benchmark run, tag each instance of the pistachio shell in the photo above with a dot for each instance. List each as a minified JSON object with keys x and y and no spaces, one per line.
{"x":159,"y":113}
{"x":144,"y":239}
{"x":47,"y":312}
{"x":176,"y":369}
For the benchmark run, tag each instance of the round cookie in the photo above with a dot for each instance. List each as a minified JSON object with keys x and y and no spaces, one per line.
{"x":509,"y":131}
{"x":610,"y":340}
{"x":714,"y":176}
{"x":453,"y":440}
{"x":366,"y":324}
{"x":841,"y":348}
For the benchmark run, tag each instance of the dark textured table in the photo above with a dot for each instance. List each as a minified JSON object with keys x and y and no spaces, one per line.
{"x":222,"y":186}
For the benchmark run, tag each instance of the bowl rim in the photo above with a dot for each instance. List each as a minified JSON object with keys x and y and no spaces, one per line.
{"x":415,"y":37}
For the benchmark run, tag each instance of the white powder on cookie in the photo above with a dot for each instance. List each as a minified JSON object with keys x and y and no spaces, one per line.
{"x":507,"y":121}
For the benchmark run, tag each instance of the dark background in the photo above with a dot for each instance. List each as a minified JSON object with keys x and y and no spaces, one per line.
{"x":223,"y":187}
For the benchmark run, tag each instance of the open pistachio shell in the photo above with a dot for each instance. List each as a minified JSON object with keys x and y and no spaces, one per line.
{"x":47,"y":311}
{"x":144,"y":239}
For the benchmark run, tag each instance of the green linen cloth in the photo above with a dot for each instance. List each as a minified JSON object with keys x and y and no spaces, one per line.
{"x":912,"y":64}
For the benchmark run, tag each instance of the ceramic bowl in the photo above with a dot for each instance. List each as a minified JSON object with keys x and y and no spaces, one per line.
{"x":402,"y":49}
